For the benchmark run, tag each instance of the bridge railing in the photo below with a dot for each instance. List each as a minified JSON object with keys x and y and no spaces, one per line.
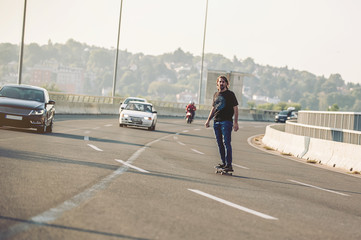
{"x":79,"y":98}
{"x":339,"y":120}
{"x":334,"y":126}
{"x":83,"y":98}
{"x":84,"y":104}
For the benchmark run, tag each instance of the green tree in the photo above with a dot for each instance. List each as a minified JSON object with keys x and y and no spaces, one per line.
{"x":251,"y":104}
{"x":333,"y":108}
{"x":8,"y":53}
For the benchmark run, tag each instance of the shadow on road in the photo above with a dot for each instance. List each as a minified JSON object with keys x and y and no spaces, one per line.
{"x":6,"y":234}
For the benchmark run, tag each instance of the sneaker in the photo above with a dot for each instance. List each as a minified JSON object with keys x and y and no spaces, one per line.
{"x":221,"y":165}
{"x":228,"y":168}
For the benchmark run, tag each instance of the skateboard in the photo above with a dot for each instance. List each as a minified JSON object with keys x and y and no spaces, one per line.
{"x":223,"y":172}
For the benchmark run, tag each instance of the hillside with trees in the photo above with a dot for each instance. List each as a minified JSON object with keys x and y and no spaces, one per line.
{"x":164,"y":76}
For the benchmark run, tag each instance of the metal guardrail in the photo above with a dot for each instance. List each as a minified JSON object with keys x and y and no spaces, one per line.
{"x":115,"y":100}
{"x":338,"y":120}
{"x":173,"y":108}
{"x":83,"y":98}
{"x":332,"y":126}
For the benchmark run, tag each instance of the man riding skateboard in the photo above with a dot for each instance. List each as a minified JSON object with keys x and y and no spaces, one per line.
{"x":224,"y":108}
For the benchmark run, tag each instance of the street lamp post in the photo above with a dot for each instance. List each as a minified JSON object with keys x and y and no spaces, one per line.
{"x":22,"y":46}
{"x":117,"y":51}
{"x":204,"y":42}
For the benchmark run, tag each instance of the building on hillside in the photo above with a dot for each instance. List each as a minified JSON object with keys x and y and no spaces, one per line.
{"x":186,"y":96}
{"x":70,"y":80}
{"x":264,"y":99}
{"x":67,"y":79}
{"x":44,"y":73}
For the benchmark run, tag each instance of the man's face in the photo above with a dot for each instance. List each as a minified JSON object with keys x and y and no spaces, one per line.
{"x":221,"y":84}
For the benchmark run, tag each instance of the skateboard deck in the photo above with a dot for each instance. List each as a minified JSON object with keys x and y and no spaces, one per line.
{"x":223,"y":172}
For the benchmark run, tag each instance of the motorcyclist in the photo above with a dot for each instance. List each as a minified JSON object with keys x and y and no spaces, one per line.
{"x":191,"y":108}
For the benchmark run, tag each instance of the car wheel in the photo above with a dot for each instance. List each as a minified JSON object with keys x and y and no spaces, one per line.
{"x":121,"y":125}
{"x":151,"y":128}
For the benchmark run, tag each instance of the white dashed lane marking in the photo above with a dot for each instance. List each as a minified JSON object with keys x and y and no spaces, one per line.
{"x":239,"y":166}
{"x":323,"y":189}
{"x":132,"y":166}
{"x":180,"y":143}
{"x":244,"y":209}
{"x":95,"y":147}
{"x":196,"y":151}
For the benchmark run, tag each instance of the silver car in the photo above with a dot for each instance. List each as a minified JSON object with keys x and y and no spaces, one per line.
{"x":139,"y":114}
{"x":129,"y":99}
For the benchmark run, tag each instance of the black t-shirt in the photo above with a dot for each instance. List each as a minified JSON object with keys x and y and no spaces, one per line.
{"x":223,"y":103}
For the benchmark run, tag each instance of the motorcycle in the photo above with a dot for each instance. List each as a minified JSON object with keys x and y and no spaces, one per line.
{"x":189,"y":117}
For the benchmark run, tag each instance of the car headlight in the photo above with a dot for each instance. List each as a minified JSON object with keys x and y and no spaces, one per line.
{"x":37,"y":112}
{"x":147,"y":118}
{"x":124,"y":115}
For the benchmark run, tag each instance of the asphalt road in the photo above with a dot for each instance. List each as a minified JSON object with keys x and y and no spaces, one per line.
{"x":91,"y":179}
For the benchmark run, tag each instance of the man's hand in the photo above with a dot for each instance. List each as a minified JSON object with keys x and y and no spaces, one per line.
{"x":235,"y":126}
{"x":207,"y":124}
{"x":211,"y":114}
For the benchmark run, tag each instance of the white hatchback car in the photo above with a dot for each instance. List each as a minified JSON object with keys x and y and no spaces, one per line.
{"x":124,"y":104}
{"x":139,"y":114}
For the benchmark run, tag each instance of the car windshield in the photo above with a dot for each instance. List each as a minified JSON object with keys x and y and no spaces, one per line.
{"x":139,"y":107}
{"x":283,"y":113}
{"x":132,"y":99}
{"x":22,"y":93}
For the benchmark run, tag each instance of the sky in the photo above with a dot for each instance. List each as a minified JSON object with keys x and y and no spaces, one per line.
{"x":319,"y":36}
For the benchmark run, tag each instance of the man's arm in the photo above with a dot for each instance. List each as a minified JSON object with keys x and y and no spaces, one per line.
{"x":211,"y":114}
{"x":235,"y":119}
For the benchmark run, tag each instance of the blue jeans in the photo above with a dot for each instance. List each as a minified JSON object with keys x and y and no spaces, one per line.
{"x":223,"y":131}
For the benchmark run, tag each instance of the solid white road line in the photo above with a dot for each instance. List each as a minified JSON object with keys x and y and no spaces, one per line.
{"x":258,"y":214}
{"x":323,"y":189}
{"x":196,"y":151}
{"x":108,"y":125}
{"x":95,"y":147}
{"x":239,"y":166}
{"x":54,"y":213}
{"x":180,"y":143}
{"x":132,"y":166}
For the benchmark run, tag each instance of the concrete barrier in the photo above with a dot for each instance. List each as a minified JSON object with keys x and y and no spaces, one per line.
{"x":287,"y":143}
{"x":334,"y":154}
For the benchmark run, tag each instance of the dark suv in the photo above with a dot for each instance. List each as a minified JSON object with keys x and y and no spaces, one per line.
{"x":285,"y":115}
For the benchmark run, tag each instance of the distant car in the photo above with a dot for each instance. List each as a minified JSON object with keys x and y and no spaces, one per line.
{"x":26,"y":106}
{"x":285,"y":115}
{"x":140,"y":114}
{"x":124,"y":104}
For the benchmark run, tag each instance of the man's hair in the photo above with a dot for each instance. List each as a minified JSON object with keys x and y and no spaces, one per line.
{"x":223,"y":78}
